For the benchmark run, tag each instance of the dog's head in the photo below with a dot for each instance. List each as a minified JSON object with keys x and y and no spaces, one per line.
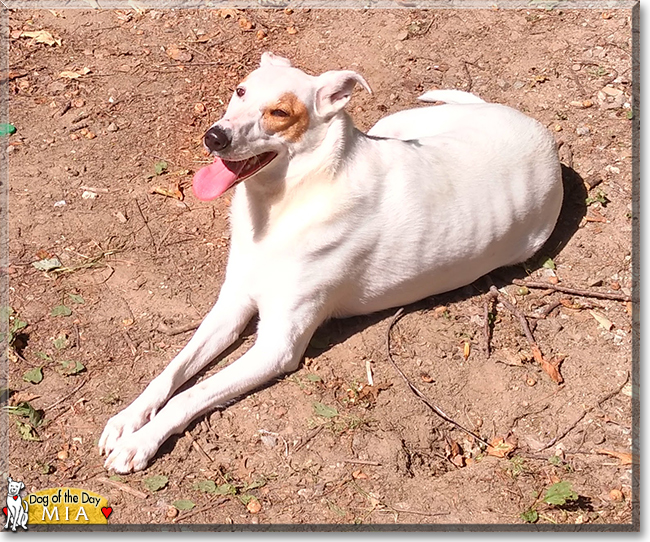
{"x":275,"y":113}
{"x":14,"y":487}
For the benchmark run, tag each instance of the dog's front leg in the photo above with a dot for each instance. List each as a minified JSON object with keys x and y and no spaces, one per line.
{"x":218,"y":331}
{"x":282,"y":339}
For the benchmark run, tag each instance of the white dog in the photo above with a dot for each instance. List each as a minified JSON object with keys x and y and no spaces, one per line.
{"x":331,"y":222}
{"x":16,"y":513}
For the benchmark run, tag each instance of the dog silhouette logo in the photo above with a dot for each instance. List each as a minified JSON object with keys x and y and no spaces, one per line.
{"x":16,"y":509}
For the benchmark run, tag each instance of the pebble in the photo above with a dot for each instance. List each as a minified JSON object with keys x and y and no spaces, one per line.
{"x":87,"y":194}
{"x":60,"y":203}
{"x":10,"y":149}
{"x":112,"y":127}
{"x":583,"y":130}
{"x":402,"y":35}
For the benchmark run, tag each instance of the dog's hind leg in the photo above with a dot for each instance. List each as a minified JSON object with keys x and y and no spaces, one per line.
{"x":282,"y":339}
{"x":218,"y":331}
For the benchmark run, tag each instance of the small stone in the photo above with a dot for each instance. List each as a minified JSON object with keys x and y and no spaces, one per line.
{"x":402,"y":35}
{"x":60,"y":203}
{"x":576,"y":67}
{"x":261,"y":34}
{"x":557,"y":128}
{"x":199,"y":109}
{"x":518,"y":84}
{"x":611,"y":91}
{"x":112,"y":127}
{"x":10,"y":149}
{"x":90,"y":135}
{"x":87,"y":194}
{"x":583,"y":130}
{"x":502,"y":84}
{"x":171,"y":512}
{"x":292,"y":30}
{"x":587,"y":103}
{"x":62,"y":455}
{"x":616,"y":495}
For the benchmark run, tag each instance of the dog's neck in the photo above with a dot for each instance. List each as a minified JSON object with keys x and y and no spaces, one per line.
{"x":268,"y":198}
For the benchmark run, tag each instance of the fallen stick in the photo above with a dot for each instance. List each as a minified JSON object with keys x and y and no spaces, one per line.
{"x":416,"y":391}
{"x":123,"y":487}
{"x":167,"y":330}
{"x":573,"y":291}
{"x":584,"y":413}
{"x":552,"y":368}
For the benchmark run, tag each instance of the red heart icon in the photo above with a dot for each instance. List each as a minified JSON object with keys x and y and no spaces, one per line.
{"x":107,"y":511}
{"x":15,"y":497}
{"x":5,"y":510}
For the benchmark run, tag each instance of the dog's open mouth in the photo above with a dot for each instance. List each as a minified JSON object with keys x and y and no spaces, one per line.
{"x":213,"y":180}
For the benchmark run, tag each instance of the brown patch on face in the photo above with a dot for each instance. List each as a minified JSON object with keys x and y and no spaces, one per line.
{"x":291,"y":126}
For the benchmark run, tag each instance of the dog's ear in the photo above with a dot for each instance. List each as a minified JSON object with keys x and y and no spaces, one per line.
{"x":22,"y":486}
{"x":334,"y":90}
{"x":10,"y":480}
{"x":269,"y":59}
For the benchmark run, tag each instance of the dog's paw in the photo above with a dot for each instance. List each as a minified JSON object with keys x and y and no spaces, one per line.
{"x":131,"y":454}
{"x":122,"y":425}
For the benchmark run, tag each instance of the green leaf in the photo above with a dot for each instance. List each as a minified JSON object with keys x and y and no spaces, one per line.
{"x":226,"y":489}
{"x":76,"y":298}
{"x":43,"y":356}
{"x":629,"y":115}
{"x":61,"y":310}
{"x":69,"y":367}
{"x":7,"y":129}
{"x":325,"y":411}
{"x":160,"y":167}
{"x":61,"y":341}
{"x":549,"y":263}
{"x":34,"y":376}
{"x":313,"y":378}
{"x":600,"y":197}
{"x":25,"y":410}
{"x":184,"y":504}
{"x":245,"y":499}
{"x":530,"y":516}
{"x":257,"y":483}
{"x":116,"y":478}
{"x":27,"y":432}
{"x":155,"y":482}
{"x":207,"y":486}
{"x":559,"y":493}
{"x":17,"y":325}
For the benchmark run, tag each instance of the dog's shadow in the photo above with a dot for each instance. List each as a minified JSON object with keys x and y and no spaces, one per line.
{"x":337,"y":331}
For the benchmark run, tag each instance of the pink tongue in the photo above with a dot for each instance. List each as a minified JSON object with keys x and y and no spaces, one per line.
{"x":213,"y":180}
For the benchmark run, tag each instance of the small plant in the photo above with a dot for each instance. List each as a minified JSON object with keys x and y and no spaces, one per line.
{"x":600,"y":197}
{"x":556,"y":495}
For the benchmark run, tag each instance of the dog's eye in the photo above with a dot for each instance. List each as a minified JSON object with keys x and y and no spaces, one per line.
{"x":279,"y":113}
{"x":240,"y":91}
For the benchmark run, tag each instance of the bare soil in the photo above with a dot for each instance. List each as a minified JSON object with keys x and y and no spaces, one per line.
{"x":144,"y":88}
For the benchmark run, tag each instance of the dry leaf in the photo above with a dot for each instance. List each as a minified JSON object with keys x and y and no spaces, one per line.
{"x":254,"y":506}
{"x":624,"y":457}
{"x":359,"y":475}
{"x":175,"y":53}
{"x":602,"y":320}
{"x":595,"y":216}
{"x":42,"y":36}
{"x":552,"y":367}
{"x":371,"y":392}
{"x":174,"y":192}
{"x":568,"y":304}
{"x":466,"y":350}
{"x":500,"y":447}
{"x":22,"y":397}
{"x":426,"y":378}
{"x":245,"y":24}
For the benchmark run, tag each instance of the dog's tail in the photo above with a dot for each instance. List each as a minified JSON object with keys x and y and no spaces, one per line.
{"x":450,"y":96}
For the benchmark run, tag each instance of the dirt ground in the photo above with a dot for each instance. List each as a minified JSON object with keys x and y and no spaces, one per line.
{"x":120,"y":92}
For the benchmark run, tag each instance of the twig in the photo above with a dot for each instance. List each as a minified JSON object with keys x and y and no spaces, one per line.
{"x":573,"y":291}
{"x":94,"y":189}
{"x":584,"y":413}
{"x":415,"y":390}
{"x":487,"y":330}
{"x":123,"y":487}
{"x":67,"y":396}
{"x":137,"y":204}
{"x":209,"y":506}
{"x":198,"y":447}
{"x":167,"y":330}
{"x":552,"y":368}
{"x":309,"y":437}
{"x":362,"y":462}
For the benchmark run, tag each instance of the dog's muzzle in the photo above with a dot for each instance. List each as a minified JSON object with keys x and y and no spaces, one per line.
{"x":217,"y":139}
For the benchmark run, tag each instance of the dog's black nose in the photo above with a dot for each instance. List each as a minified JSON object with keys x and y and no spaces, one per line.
{"x":216,"y":139}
